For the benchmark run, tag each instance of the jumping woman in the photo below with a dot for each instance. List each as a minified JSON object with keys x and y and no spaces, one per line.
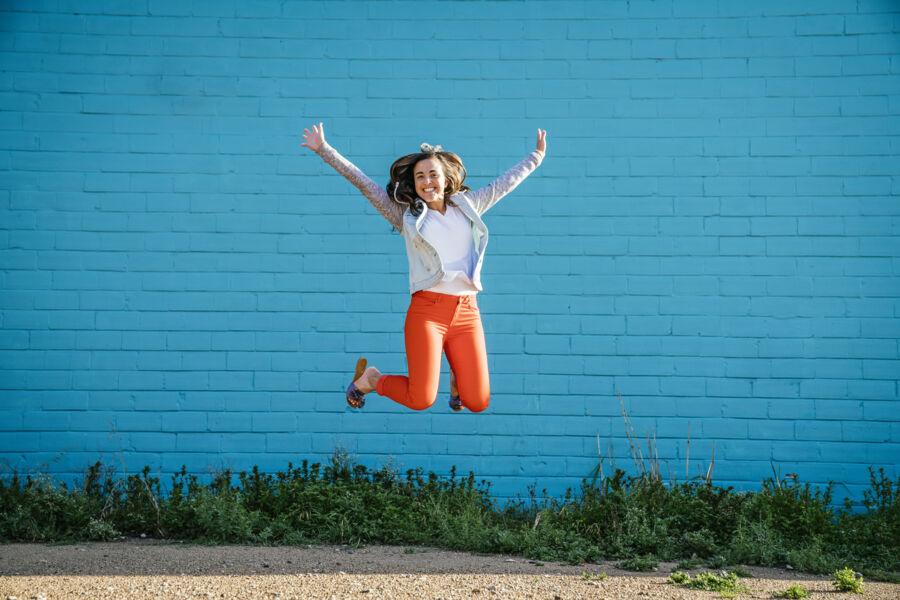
{"x":439,"y":217}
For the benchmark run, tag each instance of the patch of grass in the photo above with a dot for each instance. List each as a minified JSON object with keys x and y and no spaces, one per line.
{"x":741,"y":572}
{"x":636,"y":519}
{"x":701,"y":543}
{"x":846,"y":580}
{"x":639,"y":563}
{"x":812,"y":557}
{"x":716,"y":562}
{"x":679,"y":577}
{"x":594,"y":576}
{"x":890,"y":577}
{"x":725,"y":583}
{"x":795,"y":592}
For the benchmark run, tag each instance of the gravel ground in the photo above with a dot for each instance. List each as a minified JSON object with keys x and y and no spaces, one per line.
{"x":148,"y":568}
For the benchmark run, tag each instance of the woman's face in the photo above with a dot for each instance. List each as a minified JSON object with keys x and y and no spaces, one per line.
{"x":430,"y":180}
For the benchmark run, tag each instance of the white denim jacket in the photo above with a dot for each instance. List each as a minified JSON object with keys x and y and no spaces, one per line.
{"x":425,"y":266}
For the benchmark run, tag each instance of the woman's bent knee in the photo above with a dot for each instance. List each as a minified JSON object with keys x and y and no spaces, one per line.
{"x":421,"y":401}
{"x":479,"y":405}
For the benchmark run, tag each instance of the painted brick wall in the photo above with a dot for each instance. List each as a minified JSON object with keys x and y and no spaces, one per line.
{"x":713,"y":238}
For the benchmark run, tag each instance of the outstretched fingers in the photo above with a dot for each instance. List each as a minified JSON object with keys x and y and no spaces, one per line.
{"x":315,"y":137}
{"x":541,"y":140}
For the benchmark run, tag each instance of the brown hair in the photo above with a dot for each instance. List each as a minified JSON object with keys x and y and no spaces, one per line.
{"x":402,"y":187}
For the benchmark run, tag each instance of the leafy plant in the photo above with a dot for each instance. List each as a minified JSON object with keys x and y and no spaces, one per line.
{"x":795,"y":592}
{"x":846,"y":580}
{"x":594,"y":576}
{"x":679,"y":577}
{"x":726,"y":583}
{"x":637,"y":519}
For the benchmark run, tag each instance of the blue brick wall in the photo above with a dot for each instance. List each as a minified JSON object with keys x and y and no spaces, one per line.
{"x":713,"y":239}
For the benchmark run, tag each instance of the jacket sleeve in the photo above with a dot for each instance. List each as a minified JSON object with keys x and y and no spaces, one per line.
{"x":487,"y":196}
{"x":374,"y":193}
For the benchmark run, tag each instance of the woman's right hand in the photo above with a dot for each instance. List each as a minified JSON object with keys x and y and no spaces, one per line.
{"x":314,"y":139}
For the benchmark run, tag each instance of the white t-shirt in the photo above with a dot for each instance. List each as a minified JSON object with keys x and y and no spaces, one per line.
{"x":451,"y":236}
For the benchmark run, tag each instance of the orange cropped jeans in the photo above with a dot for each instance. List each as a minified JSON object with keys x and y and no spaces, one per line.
{"x":438,"y":323}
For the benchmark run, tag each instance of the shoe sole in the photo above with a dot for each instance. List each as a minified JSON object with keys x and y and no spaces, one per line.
{"x":360,"y":369}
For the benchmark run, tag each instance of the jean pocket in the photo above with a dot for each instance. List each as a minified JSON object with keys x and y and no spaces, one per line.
{"x":423,"y":300}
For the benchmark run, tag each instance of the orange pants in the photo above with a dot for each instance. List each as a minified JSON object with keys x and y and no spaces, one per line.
{"x":438,"y":323}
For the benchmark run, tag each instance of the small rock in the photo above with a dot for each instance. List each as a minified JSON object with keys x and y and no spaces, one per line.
{"x":143,"y":535}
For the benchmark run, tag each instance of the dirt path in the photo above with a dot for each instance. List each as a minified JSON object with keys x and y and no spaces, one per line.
{"x":156,"y":569}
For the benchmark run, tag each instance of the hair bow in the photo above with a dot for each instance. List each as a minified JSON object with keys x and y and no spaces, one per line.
{"x":429,"y":148}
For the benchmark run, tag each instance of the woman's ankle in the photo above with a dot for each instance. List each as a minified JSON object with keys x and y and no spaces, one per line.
{"x":368,"y":381}
{"x":374,"y":377}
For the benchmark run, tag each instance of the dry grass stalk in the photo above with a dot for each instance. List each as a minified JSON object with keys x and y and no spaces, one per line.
{"x":637,"y":456}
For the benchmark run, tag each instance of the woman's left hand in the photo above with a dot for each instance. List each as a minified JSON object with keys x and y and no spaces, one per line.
{"x":542,"y":141}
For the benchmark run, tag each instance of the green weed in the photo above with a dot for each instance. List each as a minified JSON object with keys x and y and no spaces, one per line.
{"x":726,"y":583}
{"x":679,"y":577}
{"x":795,"y":592}
{"x":594,"y":576}
{"x":846,"y":580}
{"x":637,"y":519}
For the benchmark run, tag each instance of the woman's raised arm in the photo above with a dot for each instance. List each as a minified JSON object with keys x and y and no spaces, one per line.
{"x":374,"y":193}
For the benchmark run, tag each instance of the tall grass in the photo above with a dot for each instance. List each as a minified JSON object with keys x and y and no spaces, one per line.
{"x":613,"y":516}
